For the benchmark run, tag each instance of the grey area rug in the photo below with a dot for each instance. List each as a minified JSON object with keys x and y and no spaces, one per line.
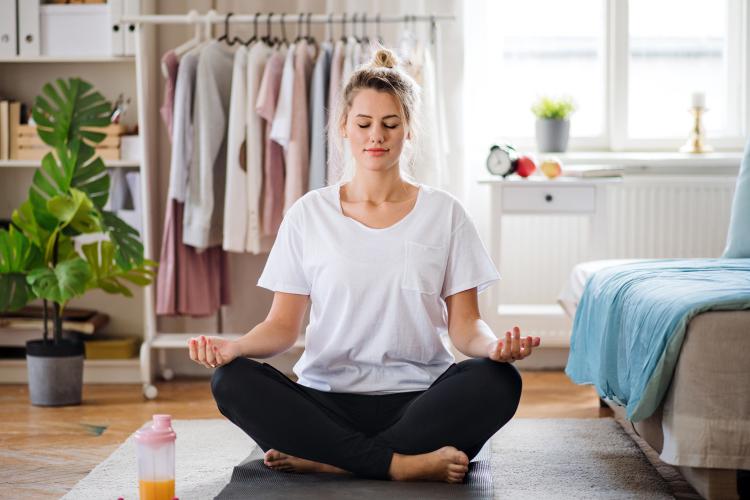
{"x":530,"y":458}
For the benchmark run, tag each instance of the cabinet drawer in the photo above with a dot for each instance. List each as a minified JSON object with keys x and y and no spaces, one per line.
{"x":535,"y":199}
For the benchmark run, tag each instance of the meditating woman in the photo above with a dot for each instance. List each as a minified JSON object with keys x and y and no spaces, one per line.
{"x":391,"y":267}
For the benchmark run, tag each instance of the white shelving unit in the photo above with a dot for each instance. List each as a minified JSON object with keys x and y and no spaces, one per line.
{"x":68,"y":60}
{"x":35,"y":164}
{"x":21,"y":78}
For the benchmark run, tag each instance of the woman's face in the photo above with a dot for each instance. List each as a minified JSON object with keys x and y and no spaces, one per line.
{"x":376,"y":130}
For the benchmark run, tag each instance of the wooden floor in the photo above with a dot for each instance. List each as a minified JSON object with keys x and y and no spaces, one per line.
{"x":45,"y":451}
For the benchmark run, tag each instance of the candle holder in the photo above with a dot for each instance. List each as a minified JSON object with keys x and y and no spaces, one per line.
{"x":695,"y":142}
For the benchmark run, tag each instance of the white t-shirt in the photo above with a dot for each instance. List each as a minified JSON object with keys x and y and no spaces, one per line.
{"x":378,"y":314}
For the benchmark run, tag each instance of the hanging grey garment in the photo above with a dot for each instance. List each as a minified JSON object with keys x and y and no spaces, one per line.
{"x":118,"y":190}
{"x":319,"y":116}
{"x":182,"y":127}
{"x":204,"y":204}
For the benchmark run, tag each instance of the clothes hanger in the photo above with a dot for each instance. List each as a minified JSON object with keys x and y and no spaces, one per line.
{"x":189,"y":44}
{"x":354,"y":28}
{"x":284,"y":41}
{"x":344,"y":38}
{"x":299,"y":28}
{"x":329,"y":28}
{"x":311,"y":41}
{"x":225,"y":36}
{"x":267,"y":39}
{"x":255,"y":31}
{"x":377,"y":30}
{"x":365,"y":38}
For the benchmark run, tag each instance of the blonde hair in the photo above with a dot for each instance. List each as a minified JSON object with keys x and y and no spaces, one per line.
{"x":381,"y":74}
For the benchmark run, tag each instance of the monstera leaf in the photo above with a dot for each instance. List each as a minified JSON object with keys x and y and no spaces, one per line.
{"x":64,"y":122}
{"x":75,"y":210}
{"x":72,"y":109}
{"x":128,"y":247}
{"x":107,"y":275}
{"x":67,"y":280}
{"x":17,"y":256}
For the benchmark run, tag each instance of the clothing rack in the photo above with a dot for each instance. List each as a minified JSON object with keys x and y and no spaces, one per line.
{"x":146,"y":60}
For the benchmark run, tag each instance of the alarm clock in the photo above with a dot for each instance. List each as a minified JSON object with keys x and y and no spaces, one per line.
{"x":502,"y":160}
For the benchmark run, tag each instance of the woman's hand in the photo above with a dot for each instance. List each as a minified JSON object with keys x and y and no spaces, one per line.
{"x":514,"y":347}
{"x":212,"y":352}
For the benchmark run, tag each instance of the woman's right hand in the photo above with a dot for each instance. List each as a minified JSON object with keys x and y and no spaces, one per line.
{"x":212,"y":352}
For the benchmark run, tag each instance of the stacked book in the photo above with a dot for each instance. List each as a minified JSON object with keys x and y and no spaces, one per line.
{"x":10,"y":120}
{"x":17,"y":327}
{"x":589,"y":171}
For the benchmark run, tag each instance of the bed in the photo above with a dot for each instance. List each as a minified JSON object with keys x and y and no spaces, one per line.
{"x":701,"y":420}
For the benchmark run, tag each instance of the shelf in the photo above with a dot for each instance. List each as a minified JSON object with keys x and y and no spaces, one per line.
{"x":535,"y":310}
{"x":37,"y":163}
{"x":179,"y":340}
{"x":69,"y":59}
{"x":95,"y":371}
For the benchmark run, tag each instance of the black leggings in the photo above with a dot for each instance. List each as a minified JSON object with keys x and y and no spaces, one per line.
{"x":359,"y":433}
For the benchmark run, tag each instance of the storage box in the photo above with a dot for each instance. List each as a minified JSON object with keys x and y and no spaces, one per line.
{"x":29,"y":146}
{"x":80,"y":30}
{"x":130,"y":147}
{"x":111,"y":348}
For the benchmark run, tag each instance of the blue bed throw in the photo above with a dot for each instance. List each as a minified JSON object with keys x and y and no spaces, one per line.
{"x":632,"y":318}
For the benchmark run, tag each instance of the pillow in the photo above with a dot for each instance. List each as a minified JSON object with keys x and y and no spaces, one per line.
{"x":738,"y":239}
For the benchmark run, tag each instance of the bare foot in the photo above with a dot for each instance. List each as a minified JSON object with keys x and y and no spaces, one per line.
{"x":277,"y":460}
{"x":446,"y":464}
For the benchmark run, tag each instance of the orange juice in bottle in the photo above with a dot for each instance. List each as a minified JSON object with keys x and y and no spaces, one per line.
{"x":155,"y":444}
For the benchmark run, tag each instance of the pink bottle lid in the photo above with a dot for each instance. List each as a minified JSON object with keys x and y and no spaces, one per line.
{"x":160,"y":431}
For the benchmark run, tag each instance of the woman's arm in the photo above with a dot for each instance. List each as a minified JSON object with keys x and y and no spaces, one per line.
{"x":279,"y":331}
{"x":276,"y":334}
{"x":474,"y":338}
{"x":467,"y":330}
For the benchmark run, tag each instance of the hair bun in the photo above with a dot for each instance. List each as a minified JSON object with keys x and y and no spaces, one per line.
{"x":384,"y":58}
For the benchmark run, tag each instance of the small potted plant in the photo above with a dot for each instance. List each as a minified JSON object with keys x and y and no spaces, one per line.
{"x":553,"y":123}
{"x":40,"y":254}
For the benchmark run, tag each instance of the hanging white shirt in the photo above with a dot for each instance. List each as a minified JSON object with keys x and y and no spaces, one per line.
{"x":235,"y":216}
{"x":256,"y":64}
{"x":378,"y":315}
{"x":281,"y":128}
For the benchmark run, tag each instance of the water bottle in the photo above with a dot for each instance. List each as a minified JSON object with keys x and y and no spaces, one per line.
{"x":155,"y":450}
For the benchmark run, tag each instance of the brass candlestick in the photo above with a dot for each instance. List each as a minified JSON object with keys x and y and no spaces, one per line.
{"x":695,"y":142}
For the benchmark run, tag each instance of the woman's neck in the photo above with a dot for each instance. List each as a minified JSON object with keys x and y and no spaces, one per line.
{"x":377,"y":187}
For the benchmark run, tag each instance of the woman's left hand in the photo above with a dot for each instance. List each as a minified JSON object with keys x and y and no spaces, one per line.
{"x":513,"y":348}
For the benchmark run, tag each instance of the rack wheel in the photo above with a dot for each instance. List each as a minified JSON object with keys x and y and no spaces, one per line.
{"x":150,"y":391}
{"x":167,"y":374}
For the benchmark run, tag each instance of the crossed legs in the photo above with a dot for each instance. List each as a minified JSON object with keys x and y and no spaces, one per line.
{"x":446,"y":425}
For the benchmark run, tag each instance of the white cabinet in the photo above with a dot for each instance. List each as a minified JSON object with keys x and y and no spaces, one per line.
{"x":517,"y":197}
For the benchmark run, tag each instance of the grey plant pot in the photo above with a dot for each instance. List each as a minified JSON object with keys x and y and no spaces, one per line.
{"x":55,"y":373}
{"x":552,"y":135}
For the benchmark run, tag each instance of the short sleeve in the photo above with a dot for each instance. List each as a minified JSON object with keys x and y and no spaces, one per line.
{"x":469,"y":263}
{"x":284,"y":271}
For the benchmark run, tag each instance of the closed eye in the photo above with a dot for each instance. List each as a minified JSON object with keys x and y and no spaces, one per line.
{"x":386,"y":126}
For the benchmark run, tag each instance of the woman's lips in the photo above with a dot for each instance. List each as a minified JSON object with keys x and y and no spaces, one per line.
{"x":376,"y":151}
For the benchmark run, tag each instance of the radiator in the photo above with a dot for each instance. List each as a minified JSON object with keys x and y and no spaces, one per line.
{"x":646,"y":217}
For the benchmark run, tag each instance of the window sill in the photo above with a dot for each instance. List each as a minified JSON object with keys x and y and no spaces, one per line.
{"x":718,"y":163}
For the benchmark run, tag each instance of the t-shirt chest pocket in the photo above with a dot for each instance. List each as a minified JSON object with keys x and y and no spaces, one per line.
{"x":424,"y":268}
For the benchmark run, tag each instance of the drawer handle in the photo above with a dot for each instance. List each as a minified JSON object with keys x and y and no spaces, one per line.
{"x":548,"y":197}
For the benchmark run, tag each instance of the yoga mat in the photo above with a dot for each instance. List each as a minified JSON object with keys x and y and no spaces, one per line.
{"x":252,"y":479}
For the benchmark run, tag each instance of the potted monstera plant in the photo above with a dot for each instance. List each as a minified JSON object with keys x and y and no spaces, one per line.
{"x":41,"y":255}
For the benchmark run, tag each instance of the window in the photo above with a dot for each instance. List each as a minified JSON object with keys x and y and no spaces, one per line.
{"x":631,"y":66}
{"x":669,"y":61}
{"x":540,"y":55}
